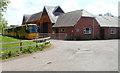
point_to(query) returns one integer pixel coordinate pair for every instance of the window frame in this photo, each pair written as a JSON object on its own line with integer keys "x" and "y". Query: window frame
{"x": 62, "y": 30}
{"x": 89, "y": 31}
{"x": 112, "y": 30}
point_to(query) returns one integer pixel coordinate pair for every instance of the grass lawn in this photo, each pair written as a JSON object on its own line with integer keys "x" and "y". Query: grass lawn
{"x": 11, "y": 39}
{"x": 25, "y": 50}
{"x": 8, "y": 39}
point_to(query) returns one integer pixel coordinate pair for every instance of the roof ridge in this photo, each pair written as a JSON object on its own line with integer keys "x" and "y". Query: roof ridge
{"x": 49, "y": 6}
{"x": 87, "y": 12}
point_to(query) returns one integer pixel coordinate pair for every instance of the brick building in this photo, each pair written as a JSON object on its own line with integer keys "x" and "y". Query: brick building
{"x": 108, "y": 27}
{"x": 78, "y": 24}
{"x": 81, "y": 24}
{"x": 44, "y": 19}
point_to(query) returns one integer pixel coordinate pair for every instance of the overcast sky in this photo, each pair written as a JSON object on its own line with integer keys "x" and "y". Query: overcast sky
{"x": 17, "y": 8}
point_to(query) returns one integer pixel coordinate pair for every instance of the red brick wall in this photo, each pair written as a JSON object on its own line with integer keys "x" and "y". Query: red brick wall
{"x": 87, "y": 22}
{"x": 107, "y": 32}
{"x": 66, "y": 29}
{"x": 67, "y": 33}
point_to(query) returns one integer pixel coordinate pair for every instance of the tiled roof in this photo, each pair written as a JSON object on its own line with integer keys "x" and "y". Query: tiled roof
{"x": 71, "y": 18}
{"x": 35, "y": 17}
{"x": 26, "y": 17}
{"x": 107, "y": 21}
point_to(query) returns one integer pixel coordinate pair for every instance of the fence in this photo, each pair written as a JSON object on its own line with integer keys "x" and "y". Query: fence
{"x": 38, "y": 41}
{"x": 72, "y": 36}
{"x": 62, "y": 36}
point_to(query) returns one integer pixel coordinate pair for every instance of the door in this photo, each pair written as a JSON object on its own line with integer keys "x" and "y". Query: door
{"x": 102, "y": 33}
{"x": 56, "y": 33}
{"x": 45, "y": 27}
{"x": 45, "y": 30}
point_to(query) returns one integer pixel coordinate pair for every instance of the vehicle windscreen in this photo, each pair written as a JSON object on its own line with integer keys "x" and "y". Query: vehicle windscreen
{"x": 32, "y": 29}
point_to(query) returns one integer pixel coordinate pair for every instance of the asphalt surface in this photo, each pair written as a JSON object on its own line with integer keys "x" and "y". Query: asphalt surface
{"x": 95, "y": 55}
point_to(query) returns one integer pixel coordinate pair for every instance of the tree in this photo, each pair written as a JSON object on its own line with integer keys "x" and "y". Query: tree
{"x": 3, "y": 24}
{"x": 108, "y": 14}
{"x": 3, "y": 7}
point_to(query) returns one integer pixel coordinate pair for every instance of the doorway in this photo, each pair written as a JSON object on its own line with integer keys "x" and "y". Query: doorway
{"x": 102, "y": 33}
{"x": 45, "y": 27}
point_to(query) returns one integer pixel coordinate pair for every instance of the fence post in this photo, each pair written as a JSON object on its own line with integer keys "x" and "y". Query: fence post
{"x": 20, "y": 45}
{"x": 36, "y": 43}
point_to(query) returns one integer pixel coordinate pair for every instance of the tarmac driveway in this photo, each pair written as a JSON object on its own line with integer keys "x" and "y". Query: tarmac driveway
{"x": 95, "y": 55}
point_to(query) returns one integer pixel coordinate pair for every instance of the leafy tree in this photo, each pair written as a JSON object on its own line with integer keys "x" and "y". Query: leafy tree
{"x": 3, "y": 7}
{"x": 108, "y": 14}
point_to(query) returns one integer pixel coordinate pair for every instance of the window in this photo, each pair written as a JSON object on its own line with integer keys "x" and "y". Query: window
{"x": 77, "y": 30}
{"x": 62, "y": 30}
{"x": 87, "y": 30}
{"x": 112, "y": 31}
{"x": 32, "y": 29}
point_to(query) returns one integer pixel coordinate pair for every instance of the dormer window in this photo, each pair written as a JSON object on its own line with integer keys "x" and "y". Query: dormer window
{"x": 58, "y": 11}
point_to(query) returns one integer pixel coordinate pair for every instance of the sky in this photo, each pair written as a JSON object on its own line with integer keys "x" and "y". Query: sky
{"x": 119, "y": 8}
{"x": 17, "y": 8}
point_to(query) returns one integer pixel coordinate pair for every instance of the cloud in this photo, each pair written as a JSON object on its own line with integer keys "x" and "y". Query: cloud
{"x": 39, "y": 1}
{"x": 119, "y": 8}
{"x": 70, "y": 5}
{"x": 13, "y": 13}
{"x": 102, "y": 7}
{"x": 17, "y": 8}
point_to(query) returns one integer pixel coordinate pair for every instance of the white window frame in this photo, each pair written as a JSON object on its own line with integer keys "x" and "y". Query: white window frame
{"x": 112, "y": 30}
{"x": 62, "y": 30}
{"x": 87, "y": 31}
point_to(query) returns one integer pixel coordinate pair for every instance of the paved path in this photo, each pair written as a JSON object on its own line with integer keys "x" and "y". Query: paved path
{"x": 100, "y": 55}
